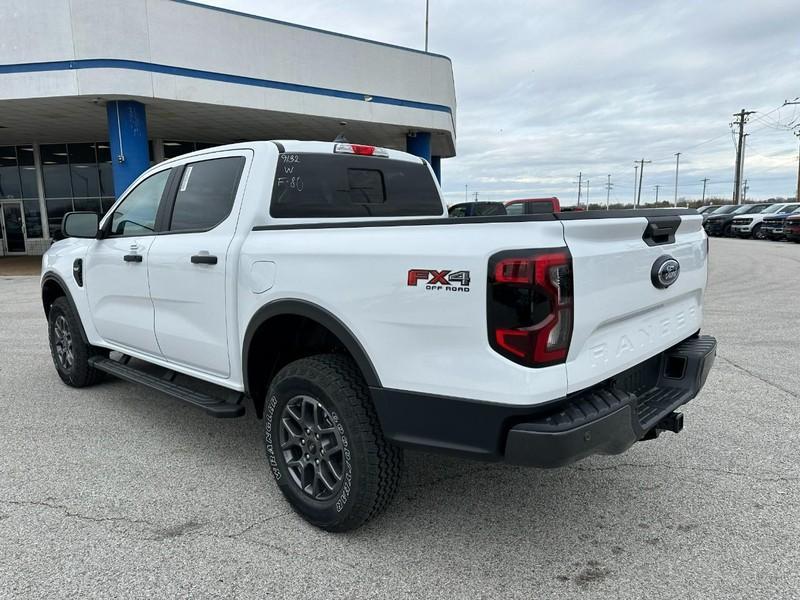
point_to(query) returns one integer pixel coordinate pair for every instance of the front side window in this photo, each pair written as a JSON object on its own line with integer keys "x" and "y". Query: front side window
{"x": 206, "y": 193}
{"x": 136, "y": 215}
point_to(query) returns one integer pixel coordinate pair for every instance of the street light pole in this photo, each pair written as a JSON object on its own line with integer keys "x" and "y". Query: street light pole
{"x": 677, "y": 164}
{"x": 427, "y": 8}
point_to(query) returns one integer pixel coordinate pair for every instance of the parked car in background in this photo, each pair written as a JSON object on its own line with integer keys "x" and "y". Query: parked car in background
{"x": 715, "y": 208}
{"x": 719, "y": 223}
{"x": 708, "y": 208}
{"x": 751, "y": 225}
{"x": 533, "y": 206}
{"x": 477, "y": 209}
{"x": 791, "y": 228}
{"x": 772, "y": 226}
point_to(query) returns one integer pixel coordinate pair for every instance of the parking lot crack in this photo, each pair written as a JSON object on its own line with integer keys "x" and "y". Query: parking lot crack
{"x": 75, "y": 515}
{"x": 761, "y": 379}
{"x": 256, "y": 524}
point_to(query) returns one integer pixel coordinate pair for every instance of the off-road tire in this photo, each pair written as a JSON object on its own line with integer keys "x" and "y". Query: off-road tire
{"x": 76, "y": 372}
{"x": 370, "y": 465}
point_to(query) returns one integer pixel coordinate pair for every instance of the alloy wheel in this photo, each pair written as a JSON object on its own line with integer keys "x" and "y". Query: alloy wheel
{"x": 311, "y": 444}
{"x": 63, "y": 343}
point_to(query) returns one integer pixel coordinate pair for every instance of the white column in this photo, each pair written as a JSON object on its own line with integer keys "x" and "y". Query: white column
{"x": 37, "y": 162}
{"x": 158, "y": 151}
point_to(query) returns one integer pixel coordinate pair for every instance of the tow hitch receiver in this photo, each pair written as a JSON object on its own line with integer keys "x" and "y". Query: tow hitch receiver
{"x": 672, "y": 422}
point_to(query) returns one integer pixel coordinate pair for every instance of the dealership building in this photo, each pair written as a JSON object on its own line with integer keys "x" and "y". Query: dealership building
{"x": 93, "y": 92}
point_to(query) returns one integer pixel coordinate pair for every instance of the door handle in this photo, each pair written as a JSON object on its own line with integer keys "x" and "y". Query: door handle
{"x": 132, "y": 258}
{"x": 204, "y": 259}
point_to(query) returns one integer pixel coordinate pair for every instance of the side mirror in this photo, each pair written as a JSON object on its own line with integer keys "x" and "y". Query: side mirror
{"x": 80, "y": 225}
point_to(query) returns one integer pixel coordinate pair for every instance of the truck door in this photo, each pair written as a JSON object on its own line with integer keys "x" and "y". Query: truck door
{"x": 116, "y": 269}
{"x": 191, "y": 270}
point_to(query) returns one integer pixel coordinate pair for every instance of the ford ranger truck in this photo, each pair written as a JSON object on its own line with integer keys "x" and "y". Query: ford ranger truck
{"x": 325, "y": 286}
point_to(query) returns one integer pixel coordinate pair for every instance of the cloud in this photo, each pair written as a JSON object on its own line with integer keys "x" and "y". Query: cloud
{"x": 547, "y": 89}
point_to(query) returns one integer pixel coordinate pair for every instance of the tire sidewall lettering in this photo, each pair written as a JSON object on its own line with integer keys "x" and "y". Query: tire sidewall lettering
{"x": 347, "y": 484}
{"x": 271, "y": 456}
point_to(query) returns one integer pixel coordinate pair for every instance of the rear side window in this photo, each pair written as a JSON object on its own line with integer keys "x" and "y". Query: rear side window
{"x": 538, "y": 208}
{"x": 515, "y": 209}
{"x": 206, "y": 193}
{"x": 331, "y": 185}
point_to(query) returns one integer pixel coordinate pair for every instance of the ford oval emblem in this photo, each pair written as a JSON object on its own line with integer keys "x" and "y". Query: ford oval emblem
{"x": 665, "y": 272}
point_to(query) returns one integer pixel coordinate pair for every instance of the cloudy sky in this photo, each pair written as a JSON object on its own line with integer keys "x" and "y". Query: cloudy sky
{"x": 550, "y": 88}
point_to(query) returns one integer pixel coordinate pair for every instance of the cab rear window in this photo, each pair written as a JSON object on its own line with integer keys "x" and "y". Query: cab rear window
{"x": 311, "y": 185}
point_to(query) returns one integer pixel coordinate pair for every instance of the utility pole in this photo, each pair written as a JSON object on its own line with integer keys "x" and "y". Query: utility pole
{"x": 635, "y": 180}
{"x": 608, "y": 190}
{"x": 466, "y": 192}
{"x": 587, "y": 193}
{"x": 797, "y": 193}
{"x": 580, "y": 186}
{"x": 657, "y": 186}
{"x": 740, "y": 120}
{"x": 642, "y": 163}
{"x": 744, "y": 191}
{"x": 677, "y": 164}
{"x": 741, "y": 167}
{"x": 705, "y": 181}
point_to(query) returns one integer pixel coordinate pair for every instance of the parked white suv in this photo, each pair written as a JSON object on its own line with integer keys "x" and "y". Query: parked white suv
{"x": 750, "y": 225}
{"x": 326, "y": 284}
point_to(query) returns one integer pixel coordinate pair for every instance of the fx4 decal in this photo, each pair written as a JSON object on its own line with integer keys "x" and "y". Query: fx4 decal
{"x": 451, "y": 281}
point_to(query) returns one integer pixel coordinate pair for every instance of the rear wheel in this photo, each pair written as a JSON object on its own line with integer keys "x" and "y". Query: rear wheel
{"x": 70, "y": 353}
{"x": 325, "y": 446}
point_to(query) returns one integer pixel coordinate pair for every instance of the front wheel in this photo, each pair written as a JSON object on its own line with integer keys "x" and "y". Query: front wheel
{"x": 325, "y": 446}
{"x": 70, "y": 352}
{"x": 757, "y": 234}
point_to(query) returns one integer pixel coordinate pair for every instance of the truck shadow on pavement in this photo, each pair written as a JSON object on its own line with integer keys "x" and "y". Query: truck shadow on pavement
{"x": 581, "y": 520}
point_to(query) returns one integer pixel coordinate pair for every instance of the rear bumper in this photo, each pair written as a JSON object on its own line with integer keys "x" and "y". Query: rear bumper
{"x": 605, "y": 419}
{"x": 611, "y": 419}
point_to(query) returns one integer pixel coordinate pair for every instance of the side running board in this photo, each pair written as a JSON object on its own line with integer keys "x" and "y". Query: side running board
{"x": 216, "y": 407}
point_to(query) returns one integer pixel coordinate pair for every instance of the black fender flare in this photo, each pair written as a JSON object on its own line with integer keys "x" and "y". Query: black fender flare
{"x": 50, "y": 276}
{"x": 316, "y": 313}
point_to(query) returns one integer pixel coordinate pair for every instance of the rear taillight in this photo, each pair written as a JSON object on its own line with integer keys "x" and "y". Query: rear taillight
{"x": 530, "y": 310}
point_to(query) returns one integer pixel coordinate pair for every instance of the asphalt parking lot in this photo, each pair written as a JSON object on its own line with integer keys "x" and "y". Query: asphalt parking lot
{"x": 115, "y": 491}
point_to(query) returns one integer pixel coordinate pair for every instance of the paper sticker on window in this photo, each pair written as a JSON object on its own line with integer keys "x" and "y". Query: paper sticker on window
{"x": 186, "y": 175}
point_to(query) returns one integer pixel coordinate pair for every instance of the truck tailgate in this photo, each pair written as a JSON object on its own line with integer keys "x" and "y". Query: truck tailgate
{"x": 621, "y": 316}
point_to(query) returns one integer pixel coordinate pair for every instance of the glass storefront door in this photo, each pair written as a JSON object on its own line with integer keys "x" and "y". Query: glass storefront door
{"x": 13, "y": 227}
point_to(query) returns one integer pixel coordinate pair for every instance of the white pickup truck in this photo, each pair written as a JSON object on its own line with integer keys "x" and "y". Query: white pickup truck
{"x": 325, "y": 284}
